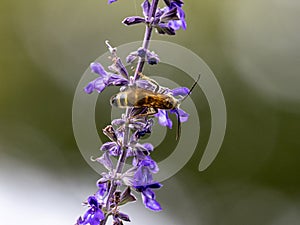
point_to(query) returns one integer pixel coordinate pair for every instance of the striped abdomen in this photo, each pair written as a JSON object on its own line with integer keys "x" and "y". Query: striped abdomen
{"x": 137, "y": 98}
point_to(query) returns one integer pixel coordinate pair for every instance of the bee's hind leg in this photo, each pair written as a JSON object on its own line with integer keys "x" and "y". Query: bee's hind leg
{"x": 145, "y": 112}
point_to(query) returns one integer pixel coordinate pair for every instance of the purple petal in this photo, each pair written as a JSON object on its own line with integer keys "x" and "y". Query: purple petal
{"x": 115, "y": 151}
{"x": 146, "y": 6}
{"x": 143, "y": 176}
{"x": 131, "y": 57}
{"x": 151, "y": 204}
{"x": 180, "y": 91}
{"x": 181, "y": 13}
{"x": 99, "y": 215}
{"x": 105, "y": 161}
{"x": 175, "y": 24}
{"x": 117, "y": 80}
{"x": 98, "y": 68}
{"x": 145, "y": 84}
{"x": 176, "y": 3}
{"x": 148, "y": 193}
{"x": 155, "y": 185}
{"x": 121, "y": 68}
{"x": 99, "y": 84}
{"x": 118, "y": 122}
{"x": 163, "y": 118}
{"x": 93, "y": 201}
{"x": 148, "y": 146}
{"x": 89, "y": 88}
{"x": 150, "y": 163}
{"x": 108, "y": 146}
{"x": 183, "y": 115}
{"x": 140, "y": 147}
{"x": 182, "y": 17}
{"x": 133, "y": 20}
{"x": 102, "y": 189}
{"x": 111, "y": 1}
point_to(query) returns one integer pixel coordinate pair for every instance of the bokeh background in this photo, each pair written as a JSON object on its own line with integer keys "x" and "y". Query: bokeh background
{"x": 252, "y": 48}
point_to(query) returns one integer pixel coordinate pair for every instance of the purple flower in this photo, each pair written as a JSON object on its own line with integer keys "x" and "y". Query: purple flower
{"x": 144, "y": 182}
{"x": 93, "y": 215}
{"x": 148, "y": 195}
{"x": 105, "y": 79}
{"x": 166, "y": 21}
{"x": 176, "y": 24}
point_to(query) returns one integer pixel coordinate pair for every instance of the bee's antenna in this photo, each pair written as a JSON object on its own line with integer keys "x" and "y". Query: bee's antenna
{"x": 191, "y": 88}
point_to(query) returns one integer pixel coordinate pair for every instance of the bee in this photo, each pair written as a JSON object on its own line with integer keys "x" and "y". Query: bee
{"x": 139, "y": 98}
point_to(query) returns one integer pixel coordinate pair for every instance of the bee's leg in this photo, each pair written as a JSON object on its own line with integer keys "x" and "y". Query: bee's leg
{"x": 152, "y": 111}
{"x": 149, "y": 112}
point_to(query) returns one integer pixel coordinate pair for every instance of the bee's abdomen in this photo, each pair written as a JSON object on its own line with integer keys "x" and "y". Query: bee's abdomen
{"x": 153, "y": 101}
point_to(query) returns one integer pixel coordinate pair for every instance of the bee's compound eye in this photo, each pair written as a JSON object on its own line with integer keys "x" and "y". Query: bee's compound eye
{"x": 113, "y": 101}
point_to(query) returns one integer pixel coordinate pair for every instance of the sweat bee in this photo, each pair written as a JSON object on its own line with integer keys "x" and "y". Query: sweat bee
{"x": 139, "y": 98}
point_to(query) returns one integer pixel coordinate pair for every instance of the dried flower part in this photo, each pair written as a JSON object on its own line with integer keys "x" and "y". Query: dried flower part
{"x": 123, "y": 216}
{"x": 127, "y": 196}
{"x": 117, "y": 197}
{"x": 110, "y": 133}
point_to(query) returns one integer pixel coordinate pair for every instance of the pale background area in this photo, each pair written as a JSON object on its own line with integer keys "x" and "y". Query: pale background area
{"x": 252, "y": 48}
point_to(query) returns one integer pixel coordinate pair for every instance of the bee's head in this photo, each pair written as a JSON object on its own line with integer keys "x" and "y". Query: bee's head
{"x": 114, "y": 101}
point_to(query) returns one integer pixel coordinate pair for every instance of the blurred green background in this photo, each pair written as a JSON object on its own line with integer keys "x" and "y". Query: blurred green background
{"x": 252, "y": 48}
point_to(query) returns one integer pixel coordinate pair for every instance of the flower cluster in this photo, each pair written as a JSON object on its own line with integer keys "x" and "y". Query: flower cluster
{"x": 166, "y": 20}
{"x": 126, "y": 132}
